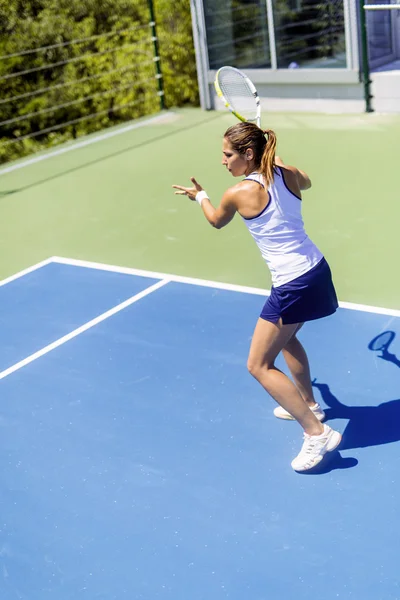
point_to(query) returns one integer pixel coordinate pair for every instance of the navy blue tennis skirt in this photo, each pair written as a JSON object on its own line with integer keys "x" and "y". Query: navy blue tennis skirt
{"x": 308, "y": 297}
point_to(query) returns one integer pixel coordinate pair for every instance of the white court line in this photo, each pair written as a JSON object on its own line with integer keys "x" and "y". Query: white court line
{"x": 392, "y": 312}
{"x": 206, "y": 283}
{"x": 83, "y": 328}
{"x": 38, "y": 265}
{"x": 155, "y": 275}
{"x": 82, "y": 144}
{"x": 164, "y": 279}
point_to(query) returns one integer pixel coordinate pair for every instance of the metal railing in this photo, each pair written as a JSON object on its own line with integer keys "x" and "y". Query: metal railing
{"x": 366, "y": 75}
{"x": 115, "y": 74}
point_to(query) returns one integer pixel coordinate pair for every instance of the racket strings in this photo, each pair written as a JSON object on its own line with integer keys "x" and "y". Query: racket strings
{"x": 238, "y": 94}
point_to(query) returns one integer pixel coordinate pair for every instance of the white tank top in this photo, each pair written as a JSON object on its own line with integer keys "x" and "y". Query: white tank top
{"x": 279, "y": 232}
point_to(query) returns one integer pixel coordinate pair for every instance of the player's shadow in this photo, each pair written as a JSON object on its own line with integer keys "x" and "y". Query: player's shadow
{"x": 367, "y": 425}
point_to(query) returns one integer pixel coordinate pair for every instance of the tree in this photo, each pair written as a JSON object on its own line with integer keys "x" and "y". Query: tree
{"x": 95, "y": 67}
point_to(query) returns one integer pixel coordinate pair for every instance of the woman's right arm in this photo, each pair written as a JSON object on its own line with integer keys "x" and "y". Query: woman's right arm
{"x": 303, "y": 180}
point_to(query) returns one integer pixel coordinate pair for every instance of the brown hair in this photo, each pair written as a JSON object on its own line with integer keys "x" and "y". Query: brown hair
{"x": 263, "y": 143}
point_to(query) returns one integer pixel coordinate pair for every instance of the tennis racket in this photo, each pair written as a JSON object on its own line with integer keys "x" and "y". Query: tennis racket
{"x": 239, "y": 94}
{"x": 382, "y": 341}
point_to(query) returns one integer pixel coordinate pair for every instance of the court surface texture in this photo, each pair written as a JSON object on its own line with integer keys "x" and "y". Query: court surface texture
{"x": 139, "y": 458}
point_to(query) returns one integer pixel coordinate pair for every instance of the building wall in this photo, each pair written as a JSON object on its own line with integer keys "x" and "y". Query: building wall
{"x": 301, "y": 54}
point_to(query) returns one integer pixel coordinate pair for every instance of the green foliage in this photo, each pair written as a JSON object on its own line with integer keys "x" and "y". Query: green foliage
{"x": 97, "y": 82}
{"x": 177, "y": 53}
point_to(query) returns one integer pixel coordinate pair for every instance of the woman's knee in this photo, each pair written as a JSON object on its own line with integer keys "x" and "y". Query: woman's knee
{"x": 252, "y": 367}
{"x": 255, "y": 366}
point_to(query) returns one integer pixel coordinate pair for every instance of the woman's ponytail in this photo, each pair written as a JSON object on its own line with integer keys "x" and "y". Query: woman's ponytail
{"x": 268, "y": 157}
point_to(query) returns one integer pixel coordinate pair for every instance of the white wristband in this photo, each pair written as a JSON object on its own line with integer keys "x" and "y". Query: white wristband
{"x": 200, "y": 196}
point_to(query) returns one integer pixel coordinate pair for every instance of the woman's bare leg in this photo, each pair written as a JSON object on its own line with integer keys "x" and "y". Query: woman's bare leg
{"x": 298, "y": 365}
{"x": 268, "y": 340}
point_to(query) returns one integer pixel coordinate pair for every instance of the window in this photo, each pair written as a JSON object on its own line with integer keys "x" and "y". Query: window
{"x": 237, "y": 33}
{"x": 309, "y": 33}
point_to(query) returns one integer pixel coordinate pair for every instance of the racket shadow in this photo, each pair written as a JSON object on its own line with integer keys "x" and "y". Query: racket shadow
{"x": 381, "y": 344}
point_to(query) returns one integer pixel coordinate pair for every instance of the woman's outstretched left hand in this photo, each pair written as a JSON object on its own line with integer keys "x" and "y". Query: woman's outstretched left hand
{"x": 190, "y": 192}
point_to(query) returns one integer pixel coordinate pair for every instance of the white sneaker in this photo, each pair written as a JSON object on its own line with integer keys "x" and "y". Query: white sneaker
{"x": 315, "y": 447}
{"x": 281, "y": 413}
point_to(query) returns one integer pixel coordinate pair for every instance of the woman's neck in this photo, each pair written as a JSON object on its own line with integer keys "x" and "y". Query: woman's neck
{"x": 251, "y": 169}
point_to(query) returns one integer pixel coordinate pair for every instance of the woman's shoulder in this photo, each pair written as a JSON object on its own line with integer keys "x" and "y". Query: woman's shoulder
{"x": 243, "y": 187}
{"x": 242, "y": 194}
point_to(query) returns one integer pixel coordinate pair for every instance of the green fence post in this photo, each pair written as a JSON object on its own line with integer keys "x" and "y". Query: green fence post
{"x": 157, "y": 55}
{"x": 365, "y": 59}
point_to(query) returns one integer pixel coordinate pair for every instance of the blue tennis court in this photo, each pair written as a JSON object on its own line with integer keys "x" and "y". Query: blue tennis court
{"x": 140, "y": 460}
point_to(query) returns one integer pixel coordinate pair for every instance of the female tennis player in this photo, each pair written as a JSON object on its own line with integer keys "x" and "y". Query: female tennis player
{"x": 269, "y": 201}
